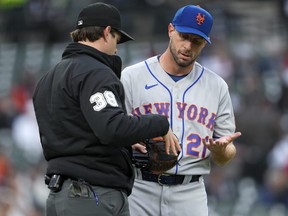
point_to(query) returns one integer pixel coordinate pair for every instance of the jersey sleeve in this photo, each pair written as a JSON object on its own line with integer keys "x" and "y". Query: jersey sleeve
{"x": 102, "y": 104}
{"x": 225, "y": 121}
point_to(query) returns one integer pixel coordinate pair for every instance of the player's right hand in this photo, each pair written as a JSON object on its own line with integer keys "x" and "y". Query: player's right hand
{"x": 171, "y": 143}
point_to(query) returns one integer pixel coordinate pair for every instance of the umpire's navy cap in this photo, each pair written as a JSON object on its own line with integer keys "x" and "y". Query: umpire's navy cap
{"x": 101, "y": 14}
{"x": 193, "y": 19}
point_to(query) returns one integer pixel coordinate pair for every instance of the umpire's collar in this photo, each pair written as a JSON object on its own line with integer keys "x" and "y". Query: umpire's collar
{"x": 112, "y": 61}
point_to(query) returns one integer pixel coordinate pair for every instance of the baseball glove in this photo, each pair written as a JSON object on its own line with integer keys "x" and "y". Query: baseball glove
{"x": 155, "y": 160}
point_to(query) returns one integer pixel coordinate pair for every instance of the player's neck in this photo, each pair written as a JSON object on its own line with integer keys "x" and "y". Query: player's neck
{"x": 171, "y": 67}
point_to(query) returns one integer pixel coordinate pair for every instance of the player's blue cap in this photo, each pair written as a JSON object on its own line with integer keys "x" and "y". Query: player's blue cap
{"x": 193, "y": 19}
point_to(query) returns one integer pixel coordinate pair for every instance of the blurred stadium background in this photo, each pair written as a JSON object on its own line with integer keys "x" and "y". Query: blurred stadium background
{"x": 249, "y": 50}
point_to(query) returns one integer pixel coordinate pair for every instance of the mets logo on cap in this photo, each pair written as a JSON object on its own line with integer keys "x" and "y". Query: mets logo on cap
{"x": 192, "y": 19}
{"x": 200, "y": 19}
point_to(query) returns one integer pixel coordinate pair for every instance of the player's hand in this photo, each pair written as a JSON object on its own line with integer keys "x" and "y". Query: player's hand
{"x": 171, "y": 143}
{"x": 219, "y": 145}
{"x": 140, "y": 147}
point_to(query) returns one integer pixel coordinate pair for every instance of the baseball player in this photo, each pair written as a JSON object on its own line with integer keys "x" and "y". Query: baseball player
{"x": 197, "y": 103}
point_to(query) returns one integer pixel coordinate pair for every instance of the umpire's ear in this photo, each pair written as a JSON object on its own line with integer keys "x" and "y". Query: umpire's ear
{"x": 106, "y": 33}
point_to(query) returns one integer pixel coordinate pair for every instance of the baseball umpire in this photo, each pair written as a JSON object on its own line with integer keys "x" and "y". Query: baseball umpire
{"x": 197, "y": 103}
{"x": 85, "y": 132}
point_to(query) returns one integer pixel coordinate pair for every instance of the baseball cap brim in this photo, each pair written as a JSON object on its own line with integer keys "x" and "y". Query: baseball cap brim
{"x": 187, "y": 30}
{"x": 103, "y": 15}
{"x": 124, "y": 37}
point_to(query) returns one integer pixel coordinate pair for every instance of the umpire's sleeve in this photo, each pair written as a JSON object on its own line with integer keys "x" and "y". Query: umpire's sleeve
{"x": 102, "y": 104}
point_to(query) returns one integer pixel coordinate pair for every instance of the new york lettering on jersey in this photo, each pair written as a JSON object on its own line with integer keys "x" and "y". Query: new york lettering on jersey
{"x": 186, "y": 111}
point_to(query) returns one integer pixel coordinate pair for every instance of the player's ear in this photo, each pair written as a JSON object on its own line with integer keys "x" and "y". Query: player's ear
{"x": 171, "y": 29}
{"x": 205, "y": 43}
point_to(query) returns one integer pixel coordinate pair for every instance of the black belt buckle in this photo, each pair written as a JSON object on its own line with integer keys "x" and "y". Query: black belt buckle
{"x": 161, "y": 180}
{"x": 195, "y": 178}
{"x": 55, "y": 183}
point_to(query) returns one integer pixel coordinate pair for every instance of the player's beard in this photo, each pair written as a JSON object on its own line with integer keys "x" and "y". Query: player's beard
{"x": 180, "y": 62}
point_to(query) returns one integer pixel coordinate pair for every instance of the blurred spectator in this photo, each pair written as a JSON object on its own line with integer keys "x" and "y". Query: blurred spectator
{"x": 220, "y": 61}
{"x": 23, "y": 91}
{"x": 22, "y": 170}
{"x": 5, "y": 168}
{"x": 283, "y": 102}
{"x": 275, "y": 189}
{"x": 26, "y": 136}
{"x": 19, "y": 197}
{"x": 284, "y": 9}
{"x": 6, "y": 113}
{"x": 6, "y": 182}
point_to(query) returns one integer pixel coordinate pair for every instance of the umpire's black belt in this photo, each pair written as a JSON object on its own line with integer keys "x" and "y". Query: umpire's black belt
{"x": 167, "y": 179}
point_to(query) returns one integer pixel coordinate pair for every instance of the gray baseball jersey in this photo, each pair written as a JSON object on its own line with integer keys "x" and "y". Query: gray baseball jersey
{"x": 197, "y": 106}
